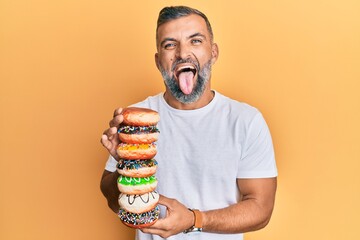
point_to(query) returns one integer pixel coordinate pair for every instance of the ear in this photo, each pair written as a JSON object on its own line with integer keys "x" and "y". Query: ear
{"x": 214, "y": 53}
{"x": 157, "y": 60}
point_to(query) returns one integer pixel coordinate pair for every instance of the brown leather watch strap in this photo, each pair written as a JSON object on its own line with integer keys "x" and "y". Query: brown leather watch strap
{"x": 198, "y": 218}
{"x": 197, "y": 227}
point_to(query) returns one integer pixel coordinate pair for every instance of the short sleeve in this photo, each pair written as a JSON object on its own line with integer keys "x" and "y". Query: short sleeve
{"x": 257, "y": 157}
{"x": 111, "y": 164}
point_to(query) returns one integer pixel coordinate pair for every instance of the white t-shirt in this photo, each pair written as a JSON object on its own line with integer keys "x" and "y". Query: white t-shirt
{"x": 202, "y": 152}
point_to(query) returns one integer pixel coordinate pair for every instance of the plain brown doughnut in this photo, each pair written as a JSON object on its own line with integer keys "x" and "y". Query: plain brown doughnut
{"x": 135, "y": 116}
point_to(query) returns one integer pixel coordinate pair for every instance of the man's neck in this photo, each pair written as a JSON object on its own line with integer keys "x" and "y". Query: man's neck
{"x": 204, "y": 100}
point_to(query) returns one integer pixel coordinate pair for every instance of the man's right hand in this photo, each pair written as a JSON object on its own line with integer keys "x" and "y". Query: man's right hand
{"x": 110, "y": 139}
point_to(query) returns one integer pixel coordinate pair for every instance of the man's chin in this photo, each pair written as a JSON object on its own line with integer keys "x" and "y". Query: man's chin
{"x": 185, "y": 97}
{"x": 188, "y": 98}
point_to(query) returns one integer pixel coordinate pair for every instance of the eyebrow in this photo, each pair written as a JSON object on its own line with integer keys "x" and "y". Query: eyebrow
{"x": 174, "y": 40}
{"x": 197, "y": 35}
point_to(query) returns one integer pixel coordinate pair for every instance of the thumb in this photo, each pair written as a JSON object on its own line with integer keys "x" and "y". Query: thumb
{"x": 167, "y": 202}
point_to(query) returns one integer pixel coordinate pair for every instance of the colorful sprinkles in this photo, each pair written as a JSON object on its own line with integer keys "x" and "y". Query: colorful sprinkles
{"x": 135, "y": 164}
{"x": 138, "y": 130}
{"x": 139, "y": 218}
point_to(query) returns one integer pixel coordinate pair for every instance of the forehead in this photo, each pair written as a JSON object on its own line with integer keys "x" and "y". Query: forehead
{"x": 183, "y": 26}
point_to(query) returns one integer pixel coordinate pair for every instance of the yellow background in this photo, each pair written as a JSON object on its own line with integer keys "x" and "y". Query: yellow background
{"x": 65, "y": 65}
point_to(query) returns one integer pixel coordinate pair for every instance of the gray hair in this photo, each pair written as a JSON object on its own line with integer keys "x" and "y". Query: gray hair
{"x": 174, "y": 12}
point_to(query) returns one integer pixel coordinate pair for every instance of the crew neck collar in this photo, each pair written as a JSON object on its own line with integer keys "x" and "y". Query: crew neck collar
{"x": 205, "y": 108}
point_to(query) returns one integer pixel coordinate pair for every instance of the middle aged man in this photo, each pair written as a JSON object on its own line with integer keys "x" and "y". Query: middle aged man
{"x": 215, "y": 154}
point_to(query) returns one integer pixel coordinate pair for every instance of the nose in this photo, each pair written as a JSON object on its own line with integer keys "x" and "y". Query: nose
{"x": 183, "y": 51}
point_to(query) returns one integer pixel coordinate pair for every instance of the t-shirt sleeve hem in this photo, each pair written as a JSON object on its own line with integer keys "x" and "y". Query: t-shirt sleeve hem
{"x": 257, "y": 174}
{"x": 111, "y": 164}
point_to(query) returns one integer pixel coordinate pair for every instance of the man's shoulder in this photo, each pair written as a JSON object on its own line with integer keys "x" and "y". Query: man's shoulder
{"x": 236, "y": 107}
{"x": 149, "y": 102}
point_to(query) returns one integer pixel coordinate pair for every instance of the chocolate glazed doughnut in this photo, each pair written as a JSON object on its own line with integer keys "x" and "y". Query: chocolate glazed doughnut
{"x": 132, "y": 134}
{"x": 139, "y": 220}
{"x": 137, "y": 168}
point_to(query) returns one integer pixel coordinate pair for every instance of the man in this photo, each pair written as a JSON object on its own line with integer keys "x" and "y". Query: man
{"x": 215, "y": 154}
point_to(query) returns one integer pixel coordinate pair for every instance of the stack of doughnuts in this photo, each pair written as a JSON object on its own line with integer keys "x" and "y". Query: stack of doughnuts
{"x": 137, "y": 166}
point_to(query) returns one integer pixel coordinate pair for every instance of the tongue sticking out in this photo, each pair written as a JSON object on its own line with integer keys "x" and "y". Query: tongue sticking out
{"x": 186, "y": 82}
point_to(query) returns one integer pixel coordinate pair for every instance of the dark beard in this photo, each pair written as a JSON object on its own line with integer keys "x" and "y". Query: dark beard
{"x": 202, "y": 79}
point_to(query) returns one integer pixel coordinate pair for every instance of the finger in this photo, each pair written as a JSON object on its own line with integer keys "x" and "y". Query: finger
{"x": 117, "y": 112}
{"x": 115, "y": 122}
{"x": 109, "y": 146}
{"x": 167, "y": 202}
{"x": 105, "y": 142}
{"x": 153, "y": 230}
{"x": 111, "y": 133}
{"x": 160, "y": 224}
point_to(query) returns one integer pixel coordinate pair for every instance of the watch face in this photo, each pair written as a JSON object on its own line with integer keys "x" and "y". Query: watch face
{"x": 193, "y": 229}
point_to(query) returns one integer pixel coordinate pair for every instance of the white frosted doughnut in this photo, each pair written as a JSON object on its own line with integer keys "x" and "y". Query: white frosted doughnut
{"x": 138, "y": 203}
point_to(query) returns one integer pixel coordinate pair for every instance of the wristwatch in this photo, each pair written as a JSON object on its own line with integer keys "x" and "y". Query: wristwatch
{"x": 197, "y": 227}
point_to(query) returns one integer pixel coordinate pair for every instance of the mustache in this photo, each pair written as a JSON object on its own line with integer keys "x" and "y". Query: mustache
{"x": 188, "y": 60}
